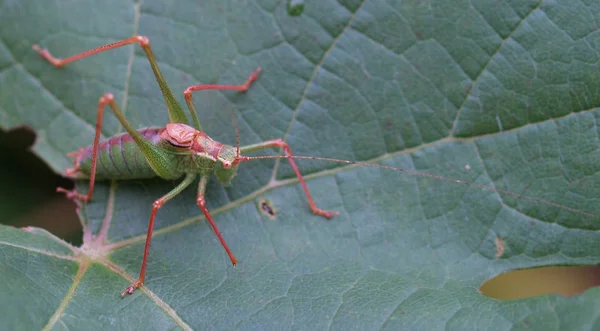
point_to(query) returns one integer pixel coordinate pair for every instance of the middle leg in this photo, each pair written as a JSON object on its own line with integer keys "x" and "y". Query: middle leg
{"x": 189, "y": 178}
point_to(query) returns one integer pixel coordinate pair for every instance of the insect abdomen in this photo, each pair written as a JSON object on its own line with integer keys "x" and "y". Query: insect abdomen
{"x": 119, "y": 157}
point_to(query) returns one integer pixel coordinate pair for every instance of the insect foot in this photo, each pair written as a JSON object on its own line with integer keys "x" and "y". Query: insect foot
{"x": 131, "y": 288}
{"x": 77, "y": 157}
{"x": 73, "y": 194}
{"x": 327, "y": 214}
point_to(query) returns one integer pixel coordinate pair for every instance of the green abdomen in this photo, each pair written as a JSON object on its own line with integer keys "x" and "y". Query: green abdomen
{"x": 119, "y": 157}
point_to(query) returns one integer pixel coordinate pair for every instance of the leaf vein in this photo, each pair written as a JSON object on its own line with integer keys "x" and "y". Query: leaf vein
{"x": 484, "y": 68}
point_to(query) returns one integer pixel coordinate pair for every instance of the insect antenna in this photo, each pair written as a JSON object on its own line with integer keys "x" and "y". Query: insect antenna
{"x": 237, "y": 138}
{"x": 422, "y": 174}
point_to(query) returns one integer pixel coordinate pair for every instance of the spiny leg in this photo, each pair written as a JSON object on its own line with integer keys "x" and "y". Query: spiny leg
{"x": 201, "y": 87}
{"x": 107, "y": 98}
{"x": 286, "y": 149}
{"x": 189, "y": 178}
{"x": 176, "y": 113}
{"x": 202, "y": 204}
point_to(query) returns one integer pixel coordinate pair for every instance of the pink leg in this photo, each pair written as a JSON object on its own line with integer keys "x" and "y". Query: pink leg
{"x": 107, "y": 98}
{"x": 286, "y": 149}
{"x": 202, "y": 204}
{"x": 201, "y": 87}
{"x": 61, "y": 62}
{"x": 155, "y": 207}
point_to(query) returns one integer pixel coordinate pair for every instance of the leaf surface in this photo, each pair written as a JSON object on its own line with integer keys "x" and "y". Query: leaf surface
{"x": 499, "y": 93}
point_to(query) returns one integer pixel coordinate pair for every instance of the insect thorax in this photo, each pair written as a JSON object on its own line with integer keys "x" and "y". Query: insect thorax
{"x": 199, "y": 153}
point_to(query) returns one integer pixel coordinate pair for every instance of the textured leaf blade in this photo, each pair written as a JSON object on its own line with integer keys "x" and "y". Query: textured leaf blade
{"x": 499, "y": 94}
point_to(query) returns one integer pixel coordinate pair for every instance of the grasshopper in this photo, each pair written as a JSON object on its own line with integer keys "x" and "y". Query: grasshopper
{"x": 170, "y": 152}
{"x": 180, "y": 150}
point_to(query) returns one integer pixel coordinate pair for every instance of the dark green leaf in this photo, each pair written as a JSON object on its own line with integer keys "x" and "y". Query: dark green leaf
{"x": 499, "y": 93}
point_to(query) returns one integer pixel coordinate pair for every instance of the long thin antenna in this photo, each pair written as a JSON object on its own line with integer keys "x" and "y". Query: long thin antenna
{"x": 237, "y": 138}
{"x": 423, "y": 174}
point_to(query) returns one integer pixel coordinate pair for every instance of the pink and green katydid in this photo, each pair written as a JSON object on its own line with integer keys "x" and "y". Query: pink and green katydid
{"x": 180, "y": 150}
{"x": 171, "y": 152}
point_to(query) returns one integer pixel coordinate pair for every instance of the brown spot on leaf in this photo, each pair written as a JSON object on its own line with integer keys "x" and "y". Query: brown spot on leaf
{"x": 267, "y": 209}
{"x": 499, "y": 247}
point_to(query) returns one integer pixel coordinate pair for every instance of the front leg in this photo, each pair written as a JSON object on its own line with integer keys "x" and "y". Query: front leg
{"x": 279, "y": 143}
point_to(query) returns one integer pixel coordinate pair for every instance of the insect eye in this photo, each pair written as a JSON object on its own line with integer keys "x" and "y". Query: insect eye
{"x": 226, "y": 164}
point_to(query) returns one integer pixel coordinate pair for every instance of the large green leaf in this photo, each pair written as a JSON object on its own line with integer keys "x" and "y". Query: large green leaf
{"x": 501, "y": 93}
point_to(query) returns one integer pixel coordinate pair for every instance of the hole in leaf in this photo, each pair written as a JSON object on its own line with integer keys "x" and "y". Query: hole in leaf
{"x": 267, "y": 208}
{"x": 525, "y": 283}
{"x": 28, "y": 190}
